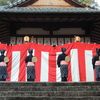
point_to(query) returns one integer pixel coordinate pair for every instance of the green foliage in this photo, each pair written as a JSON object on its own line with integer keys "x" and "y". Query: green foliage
{"x": 4, "y": 2}
{"x": 86, "y": 2}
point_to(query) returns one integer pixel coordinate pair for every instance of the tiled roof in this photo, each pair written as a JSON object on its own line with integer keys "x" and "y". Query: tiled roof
{"x": 10, "y": 8}
{"x": 48, "y": 10}
{"x": 3, "y": 7}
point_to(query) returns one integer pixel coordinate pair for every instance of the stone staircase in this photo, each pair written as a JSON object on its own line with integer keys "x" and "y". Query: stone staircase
{"x": 49, "y": 90}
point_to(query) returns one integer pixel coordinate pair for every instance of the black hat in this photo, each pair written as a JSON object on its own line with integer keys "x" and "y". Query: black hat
{"x": 2, "y": 51}
{"x": 63, "y": 49}
{"x": 30, "y": 50}
{"x": 97, "y": 50}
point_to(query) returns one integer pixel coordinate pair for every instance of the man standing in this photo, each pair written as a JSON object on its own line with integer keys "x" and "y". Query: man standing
{"x": 3, "y": 66}
{"x": 96, "y": 64}
{"x": 30, "y": 61}
{"x": 62, "y": 63}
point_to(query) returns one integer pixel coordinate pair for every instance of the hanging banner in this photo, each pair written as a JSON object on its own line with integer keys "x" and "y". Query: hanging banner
{"x": 79, "y": 67}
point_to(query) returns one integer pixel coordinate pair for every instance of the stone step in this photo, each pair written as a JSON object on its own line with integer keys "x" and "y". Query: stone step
{"x": 10, "y": 84}
{"x": 51, "y": 98}
{"x": 49, "y": 93}
{"x": 49, "y": 88}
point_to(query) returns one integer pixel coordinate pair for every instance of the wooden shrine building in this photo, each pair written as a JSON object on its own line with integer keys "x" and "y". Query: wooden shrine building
{"x": 51, "y": 22}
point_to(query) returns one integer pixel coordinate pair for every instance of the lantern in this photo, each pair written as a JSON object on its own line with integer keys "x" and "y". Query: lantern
{"x": 26, "y": 39}
{"x": 77, "y": 39}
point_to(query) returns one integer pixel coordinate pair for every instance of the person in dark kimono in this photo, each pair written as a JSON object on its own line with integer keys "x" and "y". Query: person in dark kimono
{"x": 30, "y": 66}
{"x": 3, "y": 66}
{"x": 96, "y": 64}
{"x": 63, "y": 65}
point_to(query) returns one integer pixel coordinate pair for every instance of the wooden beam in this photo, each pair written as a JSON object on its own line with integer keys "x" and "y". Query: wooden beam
{"x": 26, "y": 20}
{"x": 18, "y": 19}
{"x": 84, "y": 19}
{"x": 4, "y": 31}
{"x": 2, "y": 35}
{"x": 35, "y": 19}
{"x": 97, "y": 30}
{"x": 7, "y": 37}
{"x": 43, "y": 19}
{"x": 2, "y": 26}
{"x": 76, "y": 20}
{"x": 51, "y": 19}
{"x": 68, "y": 19}
{"x": 60, "y": 19}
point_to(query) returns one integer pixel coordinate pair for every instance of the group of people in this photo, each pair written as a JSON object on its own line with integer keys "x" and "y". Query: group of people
{"x": 96, "y": 64}
{"x": 30, "y": 65}
{"x": 62, "y": 62}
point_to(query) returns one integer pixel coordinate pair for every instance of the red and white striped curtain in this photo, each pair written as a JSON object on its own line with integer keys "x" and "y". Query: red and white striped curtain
{"x": 80, "y": 67}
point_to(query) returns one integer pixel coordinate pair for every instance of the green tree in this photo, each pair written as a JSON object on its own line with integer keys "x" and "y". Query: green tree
{"x": 4, "y": 2}
{"x": 86, "y": 2}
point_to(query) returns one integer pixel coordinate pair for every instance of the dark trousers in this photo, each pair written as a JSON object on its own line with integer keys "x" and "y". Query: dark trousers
{"x": 63, "y": 79}
{"x": 30, "y": 79}
{"x": 98, "y": 79}
{"x": 2, "y": 79}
